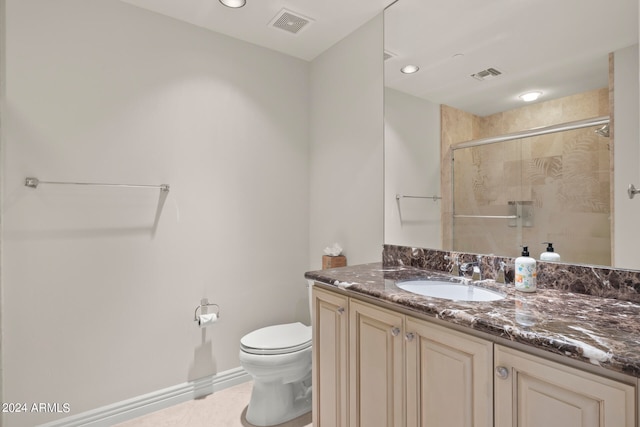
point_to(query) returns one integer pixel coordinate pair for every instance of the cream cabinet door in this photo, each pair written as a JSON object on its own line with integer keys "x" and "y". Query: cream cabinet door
{"x": 449, "y": 377}
{"x": 330, "y": 364}
{"x": 376, "y": 366}
{"x": 534, "y": 392}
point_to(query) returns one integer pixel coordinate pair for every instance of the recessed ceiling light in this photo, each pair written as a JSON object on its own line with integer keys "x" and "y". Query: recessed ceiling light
{"x": 233, "y": 3}
{"x": 409, "y": 69}
{"x": 530, "y": 96}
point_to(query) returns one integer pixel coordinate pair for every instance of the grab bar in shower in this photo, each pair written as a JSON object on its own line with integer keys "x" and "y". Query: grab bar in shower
{"x": 34, "y": 182}
{"x": 402, "y": 196}
{"x": 488, "y": 216}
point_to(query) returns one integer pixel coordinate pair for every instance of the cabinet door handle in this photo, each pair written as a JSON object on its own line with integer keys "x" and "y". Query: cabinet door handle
{"x": 340, "y": 310}
{"x": 395, "y": 331}
{"x": 502, "y": 372}
{"x": 410, "y": 336}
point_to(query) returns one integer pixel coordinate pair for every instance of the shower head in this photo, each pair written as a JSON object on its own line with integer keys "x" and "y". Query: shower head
{"x": 603, "y": 131}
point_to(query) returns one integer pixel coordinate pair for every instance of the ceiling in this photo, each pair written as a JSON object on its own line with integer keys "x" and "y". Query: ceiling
{"x": 557, "y": 47}
{"x": 331, "y": 20}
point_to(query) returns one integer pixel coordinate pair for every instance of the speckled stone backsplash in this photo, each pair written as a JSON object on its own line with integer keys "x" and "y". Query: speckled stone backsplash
{"x": 597, "y": 281}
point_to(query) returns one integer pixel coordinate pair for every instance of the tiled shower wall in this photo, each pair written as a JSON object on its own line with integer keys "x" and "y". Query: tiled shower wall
{"x": 564, "y": 178}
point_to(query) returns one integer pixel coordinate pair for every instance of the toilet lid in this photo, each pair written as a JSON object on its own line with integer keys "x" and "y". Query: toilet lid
{"x": 277, "y": 339}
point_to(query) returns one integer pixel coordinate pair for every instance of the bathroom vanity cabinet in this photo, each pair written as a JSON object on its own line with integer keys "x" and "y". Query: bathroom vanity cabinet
{"x": 532, "y": 391}
{"x": 375, "y": 366}
{"x": 448, "y": 377}
{"x": 330, "y": 312}
{"x": 401, "y": 370}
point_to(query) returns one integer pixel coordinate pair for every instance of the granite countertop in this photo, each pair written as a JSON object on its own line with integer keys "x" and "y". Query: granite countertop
{"x": 596, "y": 330}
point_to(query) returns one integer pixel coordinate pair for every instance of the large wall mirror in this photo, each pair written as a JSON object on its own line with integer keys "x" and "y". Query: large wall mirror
{"x": 455, "y": 72}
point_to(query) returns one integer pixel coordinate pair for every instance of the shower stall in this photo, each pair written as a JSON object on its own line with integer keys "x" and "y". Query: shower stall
{"x": 548, "y": 184}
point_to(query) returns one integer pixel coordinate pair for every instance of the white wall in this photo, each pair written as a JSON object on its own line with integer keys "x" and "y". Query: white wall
{"x": 346, "y": 172}
{"x": 626, "y": 158}
{"x": 2, "y": 107}
{"x": 411, "y": 167}
{"x": 98, "y": 302}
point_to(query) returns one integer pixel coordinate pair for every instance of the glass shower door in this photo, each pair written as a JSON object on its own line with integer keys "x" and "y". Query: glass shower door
{"x": 552, "y": 187}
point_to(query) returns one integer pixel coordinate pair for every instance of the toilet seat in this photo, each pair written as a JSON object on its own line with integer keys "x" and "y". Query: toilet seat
{"x": 277, "y": 339}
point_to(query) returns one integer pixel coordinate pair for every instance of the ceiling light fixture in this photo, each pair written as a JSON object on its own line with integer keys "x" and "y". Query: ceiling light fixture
{"x": 530, "y": 96}
{"x": 409, "y": 69}
{"x": 233, "y": 3}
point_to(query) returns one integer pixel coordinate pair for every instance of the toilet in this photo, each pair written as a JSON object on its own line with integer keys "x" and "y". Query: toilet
{"x": 278, "y": 358}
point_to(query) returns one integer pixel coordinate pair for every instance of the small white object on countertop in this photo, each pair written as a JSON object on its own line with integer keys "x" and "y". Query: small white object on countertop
{"x": 334, "y": 250}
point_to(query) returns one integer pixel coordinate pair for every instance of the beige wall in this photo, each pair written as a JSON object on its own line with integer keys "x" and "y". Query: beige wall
{"x": 456, "y": 126}
{"x": 568, "y": 109}
{"x": 564, "y": 176}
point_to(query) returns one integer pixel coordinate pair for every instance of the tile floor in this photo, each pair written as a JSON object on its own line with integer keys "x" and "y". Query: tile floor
{"x": 224, "y": 408}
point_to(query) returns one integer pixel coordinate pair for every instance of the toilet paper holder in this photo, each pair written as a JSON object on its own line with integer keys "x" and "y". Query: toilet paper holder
{"x": 205, "y": 303}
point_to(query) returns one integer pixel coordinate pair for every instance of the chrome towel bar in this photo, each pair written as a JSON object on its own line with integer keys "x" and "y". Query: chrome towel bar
{"x": 487, "y": 216}
{"x": 434, "y": 197}
{"x": 34, "y": 182}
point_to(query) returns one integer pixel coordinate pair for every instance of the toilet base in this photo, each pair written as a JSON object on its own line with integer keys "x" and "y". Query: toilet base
{"x": 275, "y": 403}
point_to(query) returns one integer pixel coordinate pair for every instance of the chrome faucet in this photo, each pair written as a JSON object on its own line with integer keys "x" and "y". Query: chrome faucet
{"x": 455, "y": 268}
{"x": 502, "y": 272}
{"x": 474, "y": 267}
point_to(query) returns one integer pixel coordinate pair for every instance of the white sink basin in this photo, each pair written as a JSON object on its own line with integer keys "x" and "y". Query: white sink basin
{"x": 449, "y": 290}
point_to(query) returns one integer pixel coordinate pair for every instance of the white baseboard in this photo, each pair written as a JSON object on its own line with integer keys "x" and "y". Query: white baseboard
{"x": 151, "y": 402}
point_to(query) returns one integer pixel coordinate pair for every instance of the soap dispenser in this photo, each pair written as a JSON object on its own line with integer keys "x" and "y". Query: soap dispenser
{"x": 525, "y": 275}
{"x": 549, "y": 254}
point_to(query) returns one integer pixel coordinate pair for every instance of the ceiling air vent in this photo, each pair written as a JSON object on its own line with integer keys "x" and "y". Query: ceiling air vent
{"x": 487, "y": 74}
{"x": 290, "y": 22}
